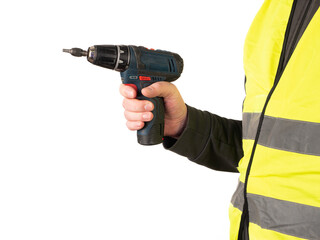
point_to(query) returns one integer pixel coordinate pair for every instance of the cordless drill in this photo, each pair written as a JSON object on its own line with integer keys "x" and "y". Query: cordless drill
{"x": 139, "y": 67}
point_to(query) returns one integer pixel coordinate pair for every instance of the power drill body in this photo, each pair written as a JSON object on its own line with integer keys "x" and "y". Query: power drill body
{"x": 139, "y": 67}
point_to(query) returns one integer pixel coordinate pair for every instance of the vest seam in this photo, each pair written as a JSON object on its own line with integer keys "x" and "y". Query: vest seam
{"x": 245, "y": 212}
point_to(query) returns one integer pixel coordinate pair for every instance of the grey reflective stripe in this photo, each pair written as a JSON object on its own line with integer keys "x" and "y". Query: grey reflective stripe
{"x": 284, "y": 134}
{"x": 290, "y": 218}
{"x": 250, "y": 122}
{"x": 237, "y": 198}
{"x": 285, "y": 217}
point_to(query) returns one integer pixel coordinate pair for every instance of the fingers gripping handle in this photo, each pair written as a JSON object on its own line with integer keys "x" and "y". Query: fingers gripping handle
{"x": 152, "y": 132}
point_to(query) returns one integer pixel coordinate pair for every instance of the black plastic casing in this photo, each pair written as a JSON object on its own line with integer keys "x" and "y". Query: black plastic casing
{"x": 115, "y": 57}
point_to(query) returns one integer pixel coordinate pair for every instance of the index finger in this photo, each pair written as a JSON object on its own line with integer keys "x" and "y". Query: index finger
{"x": 128, "y": 91}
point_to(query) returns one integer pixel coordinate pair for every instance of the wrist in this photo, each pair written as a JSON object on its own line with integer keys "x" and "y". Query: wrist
{"x": 176, "y": 127}
{"x": 182, "y": 127}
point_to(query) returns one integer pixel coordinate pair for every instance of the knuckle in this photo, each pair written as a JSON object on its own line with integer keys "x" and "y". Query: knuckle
{"x": 129, "y": 125}
{"x": 126, "y": 115}
{"x": 174, "y": 87}
{"x": 138, "y": 106}
{"x": 121, "y": 89}
{"x": 134, "y": 125}
{"x": 124, "y": 103}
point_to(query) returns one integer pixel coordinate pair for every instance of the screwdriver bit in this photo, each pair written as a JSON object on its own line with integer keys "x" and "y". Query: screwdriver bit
{"x": 77, "y": 52}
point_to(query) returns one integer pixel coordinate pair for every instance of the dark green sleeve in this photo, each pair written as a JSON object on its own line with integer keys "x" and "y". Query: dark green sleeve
{"x": 209, "y": 140}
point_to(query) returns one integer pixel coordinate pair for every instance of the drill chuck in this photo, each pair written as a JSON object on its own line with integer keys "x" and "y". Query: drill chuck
{"x": 114, "y": 57}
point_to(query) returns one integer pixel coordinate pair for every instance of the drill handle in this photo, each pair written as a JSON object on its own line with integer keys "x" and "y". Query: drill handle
{"x": 152, "y": 132}
{"x": 144, "y": 68}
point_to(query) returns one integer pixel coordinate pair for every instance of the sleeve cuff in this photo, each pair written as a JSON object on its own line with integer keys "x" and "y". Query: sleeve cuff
{"x": 194, "y": 137}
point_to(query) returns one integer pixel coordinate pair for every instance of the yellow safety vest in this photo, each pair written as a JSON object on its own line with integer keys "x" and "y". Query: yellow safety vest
{"x": 279, "y": 185}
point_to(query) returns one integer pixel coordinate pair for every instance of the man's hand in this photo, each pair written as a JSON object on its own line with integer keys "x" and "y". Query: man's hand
{"x": 139, "y": 111}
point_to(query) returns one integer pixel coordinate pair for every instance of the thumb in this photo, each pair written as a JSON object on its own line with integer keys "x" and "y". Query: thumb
{"x": 159, "y": 89}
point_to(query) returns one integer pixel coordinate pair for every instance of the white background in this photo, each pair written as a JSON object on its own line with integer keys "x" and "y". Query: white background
{"x": 69, "y": 168}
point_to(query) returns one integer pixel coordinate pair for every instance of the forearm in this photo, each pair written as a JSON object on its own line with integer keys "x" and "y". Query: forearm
{"x": 209, "y": 140}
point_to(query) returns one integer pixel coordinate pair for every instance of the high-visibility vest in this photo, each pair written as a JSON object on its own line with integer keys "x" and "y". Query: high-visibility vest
{"x": 278, "y": 196}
